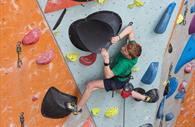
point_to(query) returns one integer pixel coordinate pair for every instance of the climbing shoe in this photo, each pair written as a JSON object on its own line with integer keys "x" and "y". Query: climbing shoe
{"x": 139, "y": 90}
{"x": 152, "y": 96}
{"x": 73, "y": 108}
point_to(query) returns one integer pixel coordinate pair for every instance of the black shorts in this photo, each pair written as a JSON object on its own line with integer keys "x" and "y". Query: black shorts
{"x": 113, "y": 84}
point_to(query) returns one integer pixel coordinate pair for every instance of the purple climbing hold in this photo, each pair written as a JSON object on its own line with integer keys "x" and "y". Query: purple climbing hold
{"x": 192, "y": 26}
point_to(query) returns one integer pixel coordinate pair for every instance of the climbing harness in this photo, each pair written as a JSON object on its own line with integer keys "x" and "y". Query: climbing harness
{"x": 22, "y": 119}
{"x": 19, "y": 52}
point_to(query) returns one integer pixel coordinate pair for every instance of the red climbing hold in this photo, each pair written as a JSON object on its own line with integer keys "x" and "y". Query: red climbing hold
{"x": 88, "y": 60}
{"x": 31, "y": 37}
{"x": 182, "y": 85}
{"x": 46, "y": 57}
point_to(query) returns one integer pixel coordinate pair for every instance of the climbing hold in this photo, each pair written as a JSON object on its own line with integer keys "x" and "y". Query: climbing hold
{"x": 147, "y": 125}
{"x": 170, "y": 49}
{"x": 153, "y": 94}
{"x": 169, "y": 116}
{"x": 163, "y": 23}
{"x": 72, "y": 56}
{"x": 135, "y": 69}
{"x": 95, "y": 111}
{"x": 180, "y": 95}
{"x": 54, "y": 103}
{"x": 188, "y": 53}
{"x": 136, "y": 3}
{"x": 88, "y": 122}
{"x": 150, "y": 74}
{"x": 180, "y": 19}
{"x": 101, "y": 1}
{"x": 88, "y": 60}
{"x": 46, "y": 57}
{"x": 188, "y": 68}
{"x": 173, "y": 83}
{"x": 182, "y": 85}
{"x": 160, "y": 111}
{"x": 31, "y": 37}
{"x": 192, "y": 26}
{"x": 165, "y": 83}
{"x": 111, "y": 112}
{"x": 35, "y": 96}
{"x": 192, "y": 10}
{"x": 185, "y": 2}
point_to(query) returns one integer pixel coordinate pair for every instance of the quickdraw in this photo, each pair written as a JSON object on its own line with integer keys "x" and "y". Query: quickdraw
{"x": 22, "y": 119}
{"x": 19, "y": 52}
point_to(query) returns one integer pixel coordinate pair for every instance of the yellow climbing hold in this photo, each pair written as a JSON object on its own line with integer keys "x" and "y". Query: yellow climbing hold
{"x": 72, "y": 56}
{"x": 113, "y": 111}
{"x": 165, "y": 83}
{"x": 180, "y": 19}
{"x": 56, "y": 33}
{"x": 101, "y": 1}
{"x": 95, "y": 111}
{"x": 137, "y": 3}
{"x": 135, "y": 69}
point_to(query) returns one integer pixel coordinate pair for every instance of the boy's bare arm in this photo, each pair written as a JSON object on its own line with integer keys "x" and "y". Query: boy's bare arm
{"x": 107, "y": 70}
{"x": 127, "y": 31}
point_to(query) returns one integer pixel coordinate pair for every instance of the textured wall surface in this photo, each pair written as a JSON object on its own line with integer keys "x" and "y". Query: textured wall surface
{"x": 145, "y": 19}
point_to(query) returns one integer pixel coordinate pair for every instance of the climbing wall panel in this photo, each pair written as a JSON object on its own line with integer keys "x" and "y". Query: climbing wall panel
{"x": 22, "y": 89}
{"x": 186, "y": 117}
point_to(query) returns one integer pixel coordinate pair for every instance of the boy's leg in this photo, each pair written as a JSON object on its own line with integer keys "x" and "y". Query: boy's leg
{"x": 137, "y": 95}
{"x": 91, "y": 86}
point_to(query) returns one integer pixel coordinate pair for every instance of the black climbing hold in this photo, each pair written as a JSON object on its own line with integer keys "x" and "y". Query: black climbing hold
{"x": 108, "y": 17}
{"x": 154, "y": 94}
{"x": 53, "y": 105}
{"x": 170, "y": 49}
{"x": 95, "y": 31}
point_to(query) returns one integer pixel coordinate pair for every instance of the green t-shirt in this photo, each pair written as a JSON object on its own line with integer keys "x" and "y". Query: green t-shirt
{"x": 122, "y": 66}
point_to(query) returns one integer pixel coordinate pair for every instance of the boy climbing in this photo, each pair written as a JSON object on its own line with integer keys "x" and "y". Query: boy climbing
{"x": 117, "y": 75}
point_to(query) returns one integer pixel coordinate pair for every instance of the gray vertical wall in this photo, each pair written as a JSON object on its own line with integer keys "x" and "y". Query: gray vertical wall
{"x": 145, "y": 19}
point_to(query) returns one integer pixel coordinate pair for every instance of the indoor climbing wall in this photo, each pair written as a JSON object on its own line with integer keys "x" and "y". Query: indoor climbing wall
{"x": 23, "y": 80}
{"x": 49, "y": 59}
{"x": 182, "y": 52}
{"x": 145, "y": 19}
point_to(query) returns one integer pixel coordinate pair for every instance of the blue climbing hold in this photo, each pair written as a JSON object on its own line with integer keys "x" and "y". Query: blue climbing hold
{"x": 160, "y": 111}
{"x": 180, "y": 95}
{"x": 192, "y": 10}
{"x": 150, "y": 74}
{"x": 169, "y": 116}
{"x": 185, "y": 2}
{"x": 173, "y": 83}
{"x": 163, "y": 23}
{"x": 188, "y": 53}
